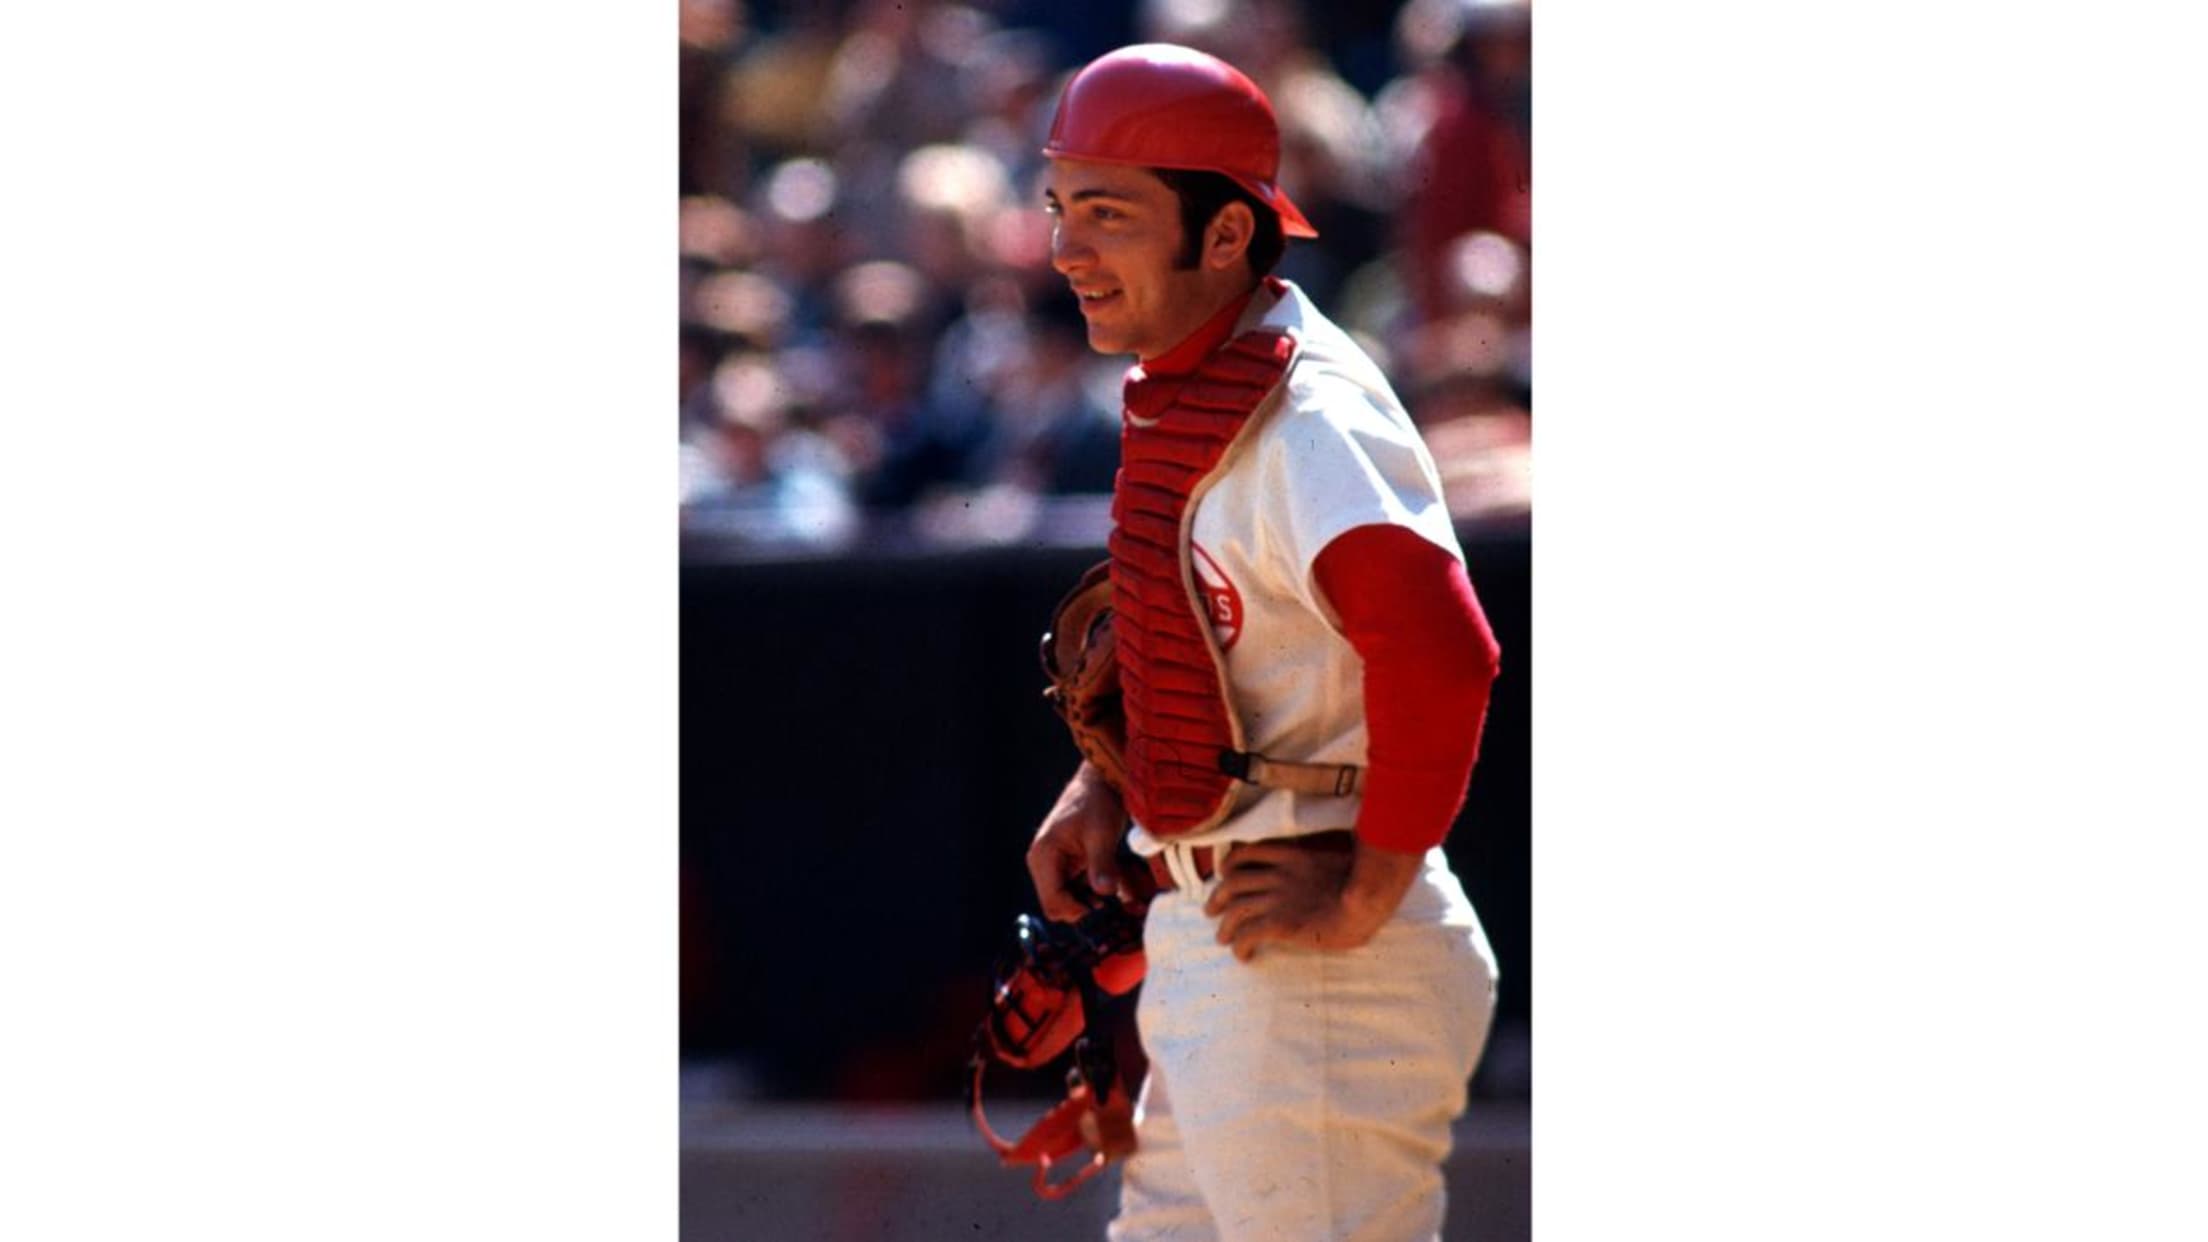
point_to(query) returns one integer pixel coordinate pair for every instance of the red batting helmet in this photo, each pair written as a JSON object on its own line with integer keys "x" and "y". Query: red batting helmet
{"x": 1159, "y": 105}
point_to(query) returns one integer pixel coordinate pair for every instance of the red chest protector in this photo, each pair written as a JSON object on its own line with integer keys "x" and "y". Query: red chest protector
{"x": 1174, "y": 442}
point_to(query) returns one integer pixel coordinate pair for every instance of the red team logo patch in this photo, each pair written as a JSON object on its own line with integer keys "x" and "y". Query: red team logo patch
{"x": 1222, "y": 603}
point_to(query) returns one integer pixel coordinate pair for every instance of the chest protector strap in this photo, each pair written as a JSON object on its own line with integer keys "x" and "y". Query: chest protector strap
{"x": 1176, "y": 439}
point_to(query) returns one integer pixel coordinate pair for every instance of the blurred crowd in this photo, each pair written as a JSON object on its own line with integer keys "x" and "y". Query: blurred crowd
{"x": 874, "y": 346}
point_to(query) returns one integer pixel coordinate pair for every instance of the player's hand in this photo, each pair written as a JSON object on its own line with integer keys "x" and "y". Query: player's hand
{"x": 1075, "y": 853}
{"x": 1320, "y": 899}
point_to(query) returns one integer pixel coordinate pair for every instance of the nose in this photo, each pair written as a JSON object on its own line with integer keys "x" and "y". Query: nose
{"x": 1068, "y": 255}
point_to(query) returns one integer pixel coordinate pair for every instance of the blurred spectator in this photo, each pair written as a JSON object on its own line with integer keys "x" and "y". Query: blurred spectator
{"x": 1467, "y": 120}
{"x": 906, "y": 445}
{"x": 772, "y": 95}
{"x": 948, "y": 193}
{"x": 873, "y": 344}
{"x": 748, "y": 472}
{"x": 803, "y": 244}
{"x": 1060, "y": 410}
{"x": 1010, "y": 94}
{"x": 976, "y": 356}
{"x": 713, "y": 153}
{"x": 896, "y": 74}
{"x": 1469, "y": 384}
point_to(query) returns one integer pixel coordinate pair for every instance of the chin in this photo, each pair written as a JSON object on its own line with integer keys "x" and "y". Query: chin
{"x": 1105, "y": 341}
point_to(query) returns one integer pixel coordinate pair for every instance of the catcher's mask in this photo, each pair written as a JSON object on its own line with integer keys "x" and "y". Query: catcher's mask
{"x": 1037, "y": 1013}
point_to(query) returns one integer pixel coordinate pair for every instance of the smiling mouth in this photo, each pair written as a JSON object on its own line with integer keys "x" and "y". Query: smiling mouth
{"x": 1097, "y": 301}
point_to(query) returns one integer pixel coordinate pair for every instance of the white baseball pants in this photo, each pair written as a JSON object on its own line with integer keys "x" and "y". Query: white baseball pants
{"x": 1305, "y": 1095}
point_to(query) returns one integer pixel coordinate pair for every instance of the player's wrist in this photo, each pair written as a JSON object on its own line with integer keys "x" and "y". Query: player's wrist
{"x": 1095, "y": 787}
{"x": 1088, "y": 796}
{"x": 1378, "y": 878}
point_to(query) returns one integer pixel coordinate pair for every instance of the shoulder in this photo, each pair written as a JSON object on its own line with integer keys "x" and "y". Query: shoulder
{"x": 1339, "y": 450}
{"x": 1330, "y": 378}
{"x": 1334, "y": 394}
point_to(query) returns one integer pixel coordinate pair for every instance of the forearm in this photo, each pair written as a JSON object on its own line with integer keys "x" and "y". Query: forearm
{"x": 1408, "y": 609}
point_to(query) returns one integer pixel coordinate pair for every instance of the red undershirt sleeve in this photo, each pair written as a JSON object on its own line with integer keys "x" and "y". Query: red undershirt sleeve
{"x": 1408, "y": 609}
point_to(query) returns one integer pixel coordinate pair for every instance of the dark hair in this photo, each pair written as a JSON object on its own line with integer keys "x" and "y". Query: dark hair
{"x": 1202, "y": 194}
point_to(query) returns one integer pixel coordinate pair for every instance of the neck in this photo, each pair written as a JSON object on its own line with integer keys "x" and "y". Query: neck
{"x": 1213, "y": 332}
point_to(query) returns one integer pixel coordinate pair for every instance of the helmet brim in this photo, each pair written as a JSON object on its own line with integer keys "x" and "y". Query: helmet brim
{"x": 1292, "y": 221}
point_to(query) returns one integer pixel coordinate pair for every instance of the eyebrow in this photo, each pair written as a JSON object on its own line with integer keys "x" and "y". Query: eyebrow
{"x": 1082, "y": 196}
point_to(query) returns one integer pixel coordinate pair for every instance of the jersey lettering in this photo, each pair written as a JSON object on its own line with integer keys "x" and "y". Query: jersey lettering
{"x": 1221, "y": 601}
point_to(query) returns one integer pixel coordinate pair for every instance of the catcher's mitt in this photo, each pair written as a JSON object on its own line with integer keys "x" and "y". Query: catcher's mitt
{"x": 1078, "y": 658}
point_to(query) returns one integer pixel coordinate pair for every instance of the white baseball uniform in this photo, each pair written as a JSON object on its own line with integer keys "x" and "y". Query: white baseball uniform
{"x": 1305, "y": 1094}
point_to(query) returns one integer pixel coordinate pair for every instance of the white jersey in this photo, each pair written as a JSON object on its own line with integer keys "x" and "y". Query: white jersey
{"x": 1334, "y": 450}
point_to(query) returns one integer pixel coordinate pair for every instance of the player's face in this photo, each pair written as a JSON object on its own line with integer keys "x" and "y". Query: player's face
{"x": 1116, "y": 233}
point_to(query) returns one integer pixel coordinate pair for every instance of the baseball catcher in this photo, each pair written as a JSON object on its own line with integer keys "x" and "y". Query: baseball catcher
{"x": 1277, "y": 685}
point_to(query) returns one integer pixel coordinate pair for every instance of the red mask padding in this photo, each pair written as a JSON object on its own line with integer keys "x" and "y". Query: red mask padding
{"x": 1037, "y": 1014}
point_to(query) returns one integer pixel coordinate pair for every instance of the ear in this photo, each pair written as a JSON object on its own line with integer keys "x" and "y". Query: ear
{"x": 1228, "y": 237}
